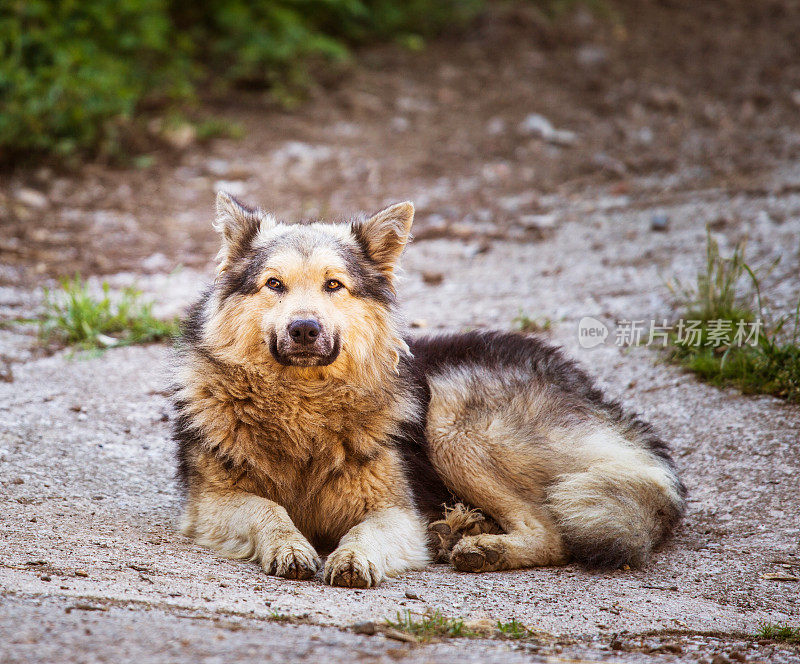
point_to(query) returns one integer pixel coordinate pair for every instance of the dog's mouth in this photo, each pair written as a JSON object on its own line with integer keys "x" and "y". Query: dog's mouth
{"x": 305, "y": 357}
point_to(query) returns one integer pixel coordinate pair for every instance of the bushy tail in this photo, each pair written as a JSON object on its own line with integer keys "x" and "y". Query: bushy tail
{"x": 610, "y": 516}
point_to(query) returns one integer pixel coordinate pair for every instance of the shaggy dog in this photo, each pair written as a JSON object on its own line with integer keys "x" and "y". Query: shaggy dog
{"x": 306, "y": 423}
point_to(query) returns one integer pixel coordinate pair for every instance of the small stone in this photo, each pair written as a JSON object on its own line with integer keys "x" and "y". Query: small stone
{"x": 399, "y": 124}
{"x": 495, "y": 126}
{"x": 411, "y": 595}
{"x": 218, "y": 167}
{"x": 368, "y": 628}
{"x": 181, "y": 136}
{"x": 432, "y": 278}
{"x": 155, "y": 262}
{"x": 46, "y": 577}
{"x": 616, "y": 644}
{"x": 538, "y": 125}
{"x": 591, "y": 55}
{"x": 32, "y": 198}
{"x": 81, "y": 573}
{"x": 659, "y": 222}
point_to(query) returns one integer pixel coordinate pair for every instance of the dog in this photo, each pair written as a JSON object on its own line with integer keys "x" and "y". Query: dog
{"x": 307, "y": 424}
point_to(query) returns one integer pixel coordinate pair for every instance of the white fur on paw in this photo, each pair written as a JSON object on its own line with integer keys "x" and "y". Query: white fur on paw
{"x": 291, "y": 560}
{"x": 350, "y": 568}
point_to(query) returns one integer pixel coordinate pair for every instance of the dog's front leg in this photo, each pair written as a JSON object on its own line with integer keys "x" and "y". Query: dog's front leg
{"x": 385, "y": 543}
{"x": 243, "y": 525}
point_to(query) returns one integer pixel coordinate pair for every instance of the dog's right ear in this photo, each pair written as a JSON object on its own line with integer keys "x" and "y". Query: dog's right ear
{"x": 238, "y": 226}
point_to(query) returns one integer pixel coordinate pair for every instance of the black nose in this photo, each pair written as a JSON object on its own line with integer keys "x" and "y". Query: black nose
{"x": 304, "y": 332}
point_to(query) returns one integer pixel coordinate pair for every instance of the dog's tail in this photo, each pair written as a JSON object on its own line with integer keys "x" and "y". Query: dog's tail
{"x": 610, "y": 516}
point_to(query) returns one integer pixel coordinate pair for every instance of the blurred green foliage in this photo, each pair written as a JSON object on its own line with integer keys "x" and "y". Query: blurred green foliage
{"x": 73, "y": 73}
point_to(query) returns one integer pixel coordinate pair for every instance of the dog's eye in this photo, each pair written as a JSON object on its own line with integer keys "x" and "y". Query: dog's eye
{"x": 274, "y": 284}
{"x": 333, "y": 285}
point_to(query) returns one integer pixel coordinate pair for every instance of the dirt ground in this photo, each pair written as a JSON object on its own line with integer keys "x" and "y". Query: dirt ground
{"x": 668, "y": 111}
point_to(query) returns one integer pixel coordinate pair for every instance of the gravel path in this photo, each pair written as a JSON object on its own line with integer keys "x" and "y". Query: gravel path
{"x": 93, "y": 570}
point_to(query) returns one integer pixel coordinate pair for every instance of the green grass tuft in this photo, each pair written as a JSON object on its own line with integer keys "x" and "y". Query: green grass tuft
{"x": 776, "y": 632}
{"x": 430, "y": 625}
{"x": 526, "y": 324}
{"x": 73, "y": 316}
{"x": 218, "y": 128}
{"x": 277, "y": 616}
{"x": 726, "y": 304}
{"x": 513, "y": 629}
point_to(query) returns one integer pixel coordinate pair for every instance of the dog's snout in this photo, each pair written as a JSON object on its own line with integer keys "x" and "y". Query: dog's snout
{"x": 304, "y": 332}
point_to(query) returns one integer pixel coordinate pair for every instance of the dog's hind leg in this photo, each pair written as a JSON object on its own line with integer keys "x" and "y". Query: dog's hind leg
{"x": 515, "y": 501}
{"x": 480, "y": 446}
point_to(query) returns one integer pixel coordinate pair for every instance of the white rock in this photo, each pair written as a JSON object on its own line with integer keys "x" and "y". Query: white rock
{"x": 538, "y": 125}
{"x": 399, "y": 124}
{"x": 180, "y": 137}
{"x": 495, "y": 126}
{"x": 218, "y": 167}
{"x": 32, "y": 198}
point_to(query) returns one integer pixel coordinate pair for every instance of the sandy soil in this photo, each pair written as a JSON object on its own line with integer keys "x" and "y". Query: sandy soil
{"x": 91, "y": 566}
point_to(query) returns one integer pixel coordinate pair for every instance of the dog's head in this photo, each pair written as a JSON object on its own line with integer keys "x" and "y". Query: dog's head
{"x": 310, "y": 295}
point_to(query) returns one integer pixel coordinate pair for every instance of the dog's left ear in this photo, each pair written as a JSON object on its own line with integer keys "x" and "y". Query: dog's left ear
{"x": 384, "y": 235}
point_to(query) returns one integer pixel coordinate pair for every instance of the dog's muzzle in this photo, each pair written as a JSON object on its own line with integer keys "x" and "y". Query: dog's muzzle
{"x": 304, "y": 343}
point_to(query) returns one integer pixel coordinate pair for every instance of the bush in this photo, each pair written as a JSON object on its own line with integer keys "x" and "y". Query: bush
{"x": 74, "y": 73}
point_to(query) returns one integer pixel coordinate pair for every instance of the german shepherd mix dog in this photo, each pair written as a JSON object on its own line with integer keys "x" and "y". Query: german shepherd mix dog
{"x": 307, "y": 423}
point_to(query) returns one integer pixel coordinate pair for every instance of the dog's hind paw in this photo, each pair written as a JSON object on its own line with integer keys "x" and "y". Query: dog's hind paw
{"x": 350, "y": 568}
{"x": 459, "y": 521}
{"x": 482, "y": 553}
{"x": 296, "y": 560}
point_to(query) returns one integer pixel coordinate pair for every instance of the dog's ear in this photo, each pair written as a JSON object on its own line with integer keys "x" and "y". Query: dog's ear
{"x": 237, "y": 225}
{"x": 384, "y": 235}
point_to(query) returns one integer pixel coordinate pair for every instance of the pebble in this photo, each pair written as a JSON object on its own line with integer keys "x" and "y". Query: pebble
{"x": 591, "y": 55}
{"x": 180, "y": 137}
{"x": 495, "y": 126}
{"x": 399, "y": 124}
{"x": 368, "y": 628}
{"x": 538, "y": 125}
{"x": 659, "y": 222}
{"x": 32, "y": 198}
{"x": 432, "y": 278}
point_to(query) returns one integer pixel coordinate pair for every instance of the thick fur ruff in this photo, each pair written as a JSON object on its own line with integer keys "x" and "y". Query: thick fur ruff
{"x": 354, "y": 442}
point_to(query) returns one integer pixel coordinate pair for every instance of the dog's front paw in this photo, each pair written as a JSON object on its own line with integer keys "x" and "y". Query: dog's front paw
{"x": 350, "y": 568}
{"x": 292, "y": 560}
